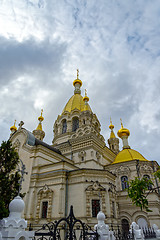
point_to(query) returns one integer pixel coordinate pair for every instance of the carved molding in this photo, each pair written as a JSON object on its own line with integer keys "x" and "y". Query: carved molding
{"x": 44, "y": 194}
{"x": 123, "y": 170}
{"x": 16, "y": 145}
{"x": 95, "y": 189}
{"x": 146, "y": 169}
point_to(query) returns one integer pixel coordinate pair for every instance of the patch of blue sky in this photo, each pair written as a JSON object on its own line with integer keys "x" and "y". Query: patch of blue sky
{"x": 136, "y": 42}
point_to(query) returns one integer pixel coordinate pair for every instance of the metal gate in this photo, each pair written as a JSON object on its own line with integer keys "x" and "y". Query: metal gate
{"x": 69, "y": 228}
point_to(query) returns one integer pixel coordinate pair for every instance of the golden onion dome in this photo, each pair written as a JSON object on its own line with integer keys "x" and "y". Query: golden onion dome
{"x": 86, "y": 98}
{"x": 77, "y": 80}
{"x": 123, "y": 131}
{"x": 75, "y": 102}
{"x": 127, "y": 155}
{"x": 111, "y": 126}
{"x": 41, "y": 118}
{"x": 13, "y": 128}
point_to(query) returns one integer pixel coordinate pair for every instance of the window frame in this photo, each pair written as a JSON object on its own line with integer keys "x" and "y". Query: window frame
{"x": 124, "y": 183}
{"x": 44, "y": 212}
{"x": 95, "y": 208}
{"x": 75, "y": 124}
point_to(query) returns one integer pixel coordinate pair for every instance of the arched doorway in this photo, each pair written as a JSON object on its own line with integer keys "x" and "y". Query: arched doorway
{"x": 125, "y": 227}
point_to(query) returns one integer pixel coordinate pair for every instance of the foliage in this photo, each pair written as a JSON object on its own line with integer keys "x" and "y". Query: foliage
{"x": 9, "y": 176}
{"x": 137, "y": 192}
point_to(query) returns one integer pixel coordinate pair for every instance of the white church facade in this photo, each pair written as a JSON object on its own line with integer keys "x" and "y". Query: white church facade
{"x": 79, "y": 169}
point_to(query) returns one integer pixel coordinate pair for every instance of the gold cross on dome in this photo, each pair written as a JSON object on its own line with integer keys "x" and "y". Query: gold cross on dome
{"x": 77, "y": 73}
{"x": 121, "y": 122}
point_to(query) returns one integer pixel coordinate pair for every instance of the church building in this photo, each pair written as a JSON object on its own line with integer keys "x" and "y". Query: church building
{"x": 79, "y": 169}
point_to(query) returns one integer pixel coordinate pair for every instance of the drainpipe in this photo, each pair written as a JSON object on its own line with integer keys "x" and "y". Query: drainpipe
{"x": 66, "y": 195}
{"x": 137, "y": 168}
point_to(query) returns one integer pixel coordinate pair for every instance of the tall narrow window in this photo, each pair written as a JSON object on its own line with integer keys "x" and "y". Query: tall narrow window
{"x": 150, "y": 185}
{"x": 125, "y": 228}
{"x": 44, "y": 209}
{"x": 64, "y": 126}
{"x": 75, "y": 124}
{"x": 95, "y": 207}
{"x": 124, "y": 182}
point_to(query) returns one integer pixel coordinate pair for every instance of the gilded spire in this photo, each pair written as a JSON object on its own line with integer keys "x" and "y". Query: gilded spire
{"x": 77, "y": 83}
{"x": 41, "y": 118}
{"x": 113, "y": 141}
{"x": 86, "y": 99}
{"x": 111, "y": 126}
{"x": 121, "y": 123}
{"x": 77, "y": 73}
{"x": 38, "y": 132}
{"x": 13, "y": 128}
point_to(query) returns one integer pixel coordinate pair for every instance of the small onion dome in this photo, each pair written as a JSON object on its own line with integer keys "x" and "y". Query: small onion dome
{"x": 101, "y": 216}
{"x": 77, "y": 80}
{"x": 123, "y": 131}
{"x": 111, "y": 126}
{"x": 13, "y": 128}
{"x": 86, "y": 98}
{"x": 16, "y": 205}
{"x": 41, "y": 118}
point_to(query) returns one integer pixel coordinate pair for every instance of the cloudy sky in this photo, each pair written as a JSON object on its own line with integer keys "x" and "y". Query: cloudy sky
{"x": 114, "y": 43}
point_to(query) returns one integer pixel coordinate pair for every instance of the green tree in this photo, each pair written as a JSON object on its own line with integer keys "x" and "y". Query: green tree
{"x": 157, "y": 173}
{"x": 9, "y": 176}
{"x": 138, "y": 191}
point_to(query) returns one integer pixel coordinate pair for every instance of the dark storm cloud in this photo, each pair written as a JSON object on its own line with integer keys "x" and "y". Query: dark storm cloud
{"x": 28, "y": 57}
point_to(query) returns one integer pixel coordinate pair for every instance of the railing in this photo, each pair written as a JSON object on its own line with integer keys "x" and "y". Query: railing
{"x": 69, "y": 228}
{"x": 120, "y": 234}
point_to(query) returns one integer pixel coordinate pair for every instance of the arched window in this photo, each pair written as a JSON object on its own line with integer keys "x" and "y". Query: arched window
{"x": 64, "y": 126}
{"x": 75, "y": 124}
{"x": 148, "y": 178}
{"x": 124, "y": 182}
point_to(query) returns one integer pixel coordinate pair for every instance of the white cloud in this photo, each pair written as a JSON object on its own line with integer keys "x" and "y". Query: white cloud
{"x": 115, "y": 44}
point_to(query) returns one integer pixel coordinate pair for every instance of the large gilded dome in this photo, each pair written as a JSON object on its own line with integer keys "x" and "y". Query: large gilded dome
{"x": 75, "y": 102}
{"x": 128, "y": 155}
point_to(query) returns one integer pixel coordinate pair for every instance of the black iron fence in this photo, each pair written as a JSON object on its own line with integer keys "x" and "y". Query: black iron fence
{"x": 123, "y": 233}
{"x": 71, "y": 228}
